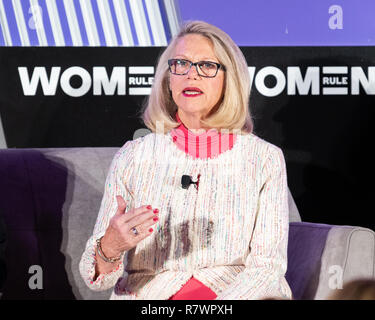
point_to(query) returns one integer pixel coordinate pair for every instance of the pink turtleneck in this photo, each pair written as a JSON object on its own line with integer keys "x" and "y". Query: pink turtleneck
{"x": 208, "y": 144}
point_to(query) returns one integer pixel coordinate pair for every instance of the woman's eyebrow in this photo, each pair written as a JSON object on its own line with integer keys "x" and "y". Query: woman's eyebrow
{"x": 202, "y": 59}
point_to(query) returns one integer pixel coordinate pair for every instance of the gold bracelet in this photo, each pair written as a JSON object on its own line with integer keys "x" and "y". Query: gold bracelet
{"x": 102, "y": 255}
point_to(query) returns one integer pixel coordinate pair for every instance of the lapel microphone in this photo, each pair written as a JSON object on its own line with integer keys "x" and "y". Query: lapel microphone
{"x": 186, "y": 181}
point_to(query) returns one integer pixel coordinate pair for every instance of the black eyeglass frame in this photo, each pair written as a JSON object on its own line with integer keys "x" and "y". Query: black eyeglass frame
{"x": 195, "y": 64}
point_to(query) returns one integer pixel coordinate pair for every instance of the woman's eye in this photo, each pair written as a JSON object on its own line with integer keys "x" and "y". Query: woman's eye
{"x": 208, "y": 65}
{"x": 181, "y": 63}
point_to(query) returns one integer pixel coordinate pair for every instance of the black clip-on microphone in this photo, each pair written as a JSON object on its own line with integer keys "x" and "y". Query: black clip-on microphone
{"x": 186, "y": 181}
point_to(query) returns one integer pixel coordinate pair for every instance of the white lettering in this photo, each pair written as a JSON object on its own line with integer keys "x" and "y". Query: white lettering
{"x": 280, "y": 81}
{"x": 335, "y": 91}
{"x": 139, "y": 81}
{"x": 335, "y": 70}
{"x": 115, "y": 82}
{"x": 311, "y": 80}
{"x": 39, "y": 74}
{"x": 139, "y": 91}
{"x": 252, "y": 74}
{"x": 158, "y": 310}
{"x": 141, "y": 70}
{"x": 335, "y": 80}
{"x": 368, "y": 83}
{"x": 118, "y": 79}
{"x": 65, "y": 81}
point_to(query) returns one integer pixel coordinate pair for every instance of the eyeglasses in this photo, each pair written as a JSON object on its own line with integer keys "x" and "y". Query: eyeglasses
{"x": 207, "y": 69}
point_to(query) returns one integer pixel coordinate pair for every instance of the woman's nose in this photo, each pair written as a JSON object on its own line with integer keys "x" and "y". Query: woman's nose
{"x": 193, "y": 72}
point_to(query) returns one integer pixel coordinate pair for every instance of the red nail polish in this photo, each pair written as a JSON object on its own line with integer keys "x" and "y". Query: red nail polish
{"x": 156, "y": 219}
{"x": 149, "y": 207}
{"x": 156, "y": 211}
{"x": 150, "y": 230}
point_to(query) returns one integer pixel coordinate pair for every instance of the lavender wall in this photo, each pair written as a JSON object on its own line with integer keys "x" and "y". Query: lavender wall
{"x": 288, "y": 22}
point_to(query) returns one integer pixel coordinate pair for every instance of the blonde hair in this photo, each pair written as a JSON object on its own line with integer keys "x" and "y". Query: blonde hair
{"x": 233, "y": 112}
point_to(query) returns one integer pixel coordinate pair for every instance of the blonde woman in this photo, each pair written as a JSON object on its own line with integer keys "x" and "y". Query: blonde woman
{"x": 198, "y": 208}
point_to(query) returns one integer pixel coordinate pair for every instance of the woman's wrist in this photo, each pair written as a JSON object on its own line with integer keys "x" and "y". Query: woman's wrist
{"x": 106, "y": 252}
{"x": 102, "y": 267}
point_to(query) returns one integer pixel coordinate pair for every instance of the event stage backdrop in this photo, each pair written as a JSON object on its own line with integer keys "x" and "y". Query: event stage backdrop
{"x": 316, "y": 103}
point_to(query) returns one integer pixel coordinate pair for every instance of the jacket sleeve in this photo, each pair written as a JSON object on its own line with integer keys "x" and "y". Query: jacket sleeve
{"x": 266, "y": 262}
{"x": 116, "y": 184}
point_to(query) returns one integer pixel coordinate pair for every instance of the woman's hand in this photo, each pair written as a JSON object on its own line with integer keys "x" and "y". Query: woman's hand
{"x": 126, "y": 229}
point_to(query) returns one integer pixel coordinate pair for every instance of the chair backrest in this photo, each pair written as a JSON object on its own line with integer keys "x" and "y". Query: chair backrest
{"x": 50, "y": 200}
{"x": 294, "y": 215}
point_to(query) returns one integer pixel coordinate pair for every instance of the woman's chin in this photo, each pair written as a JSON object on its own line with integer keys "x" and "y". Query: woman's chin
{"x": 193, "y": 108}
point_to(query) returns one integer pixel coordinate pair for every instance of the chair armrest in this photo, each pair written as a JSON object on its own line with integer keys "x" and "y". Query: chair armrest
{"x": 322, "y": 257}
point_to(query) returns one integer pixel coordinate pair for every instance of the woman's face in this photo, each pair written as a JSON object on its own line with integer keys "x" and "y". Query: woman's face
{"x": 196, "y": 48}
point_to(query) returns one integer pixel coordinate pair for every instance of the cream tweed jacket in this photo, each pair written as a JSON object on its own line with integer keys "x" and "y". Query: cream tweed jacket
{"x": 231, "y": 234}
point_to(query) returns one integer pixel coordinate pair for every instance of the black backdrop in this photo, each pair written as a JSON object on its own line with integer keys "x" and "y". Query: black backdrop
{"x": 326, "y": 138}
